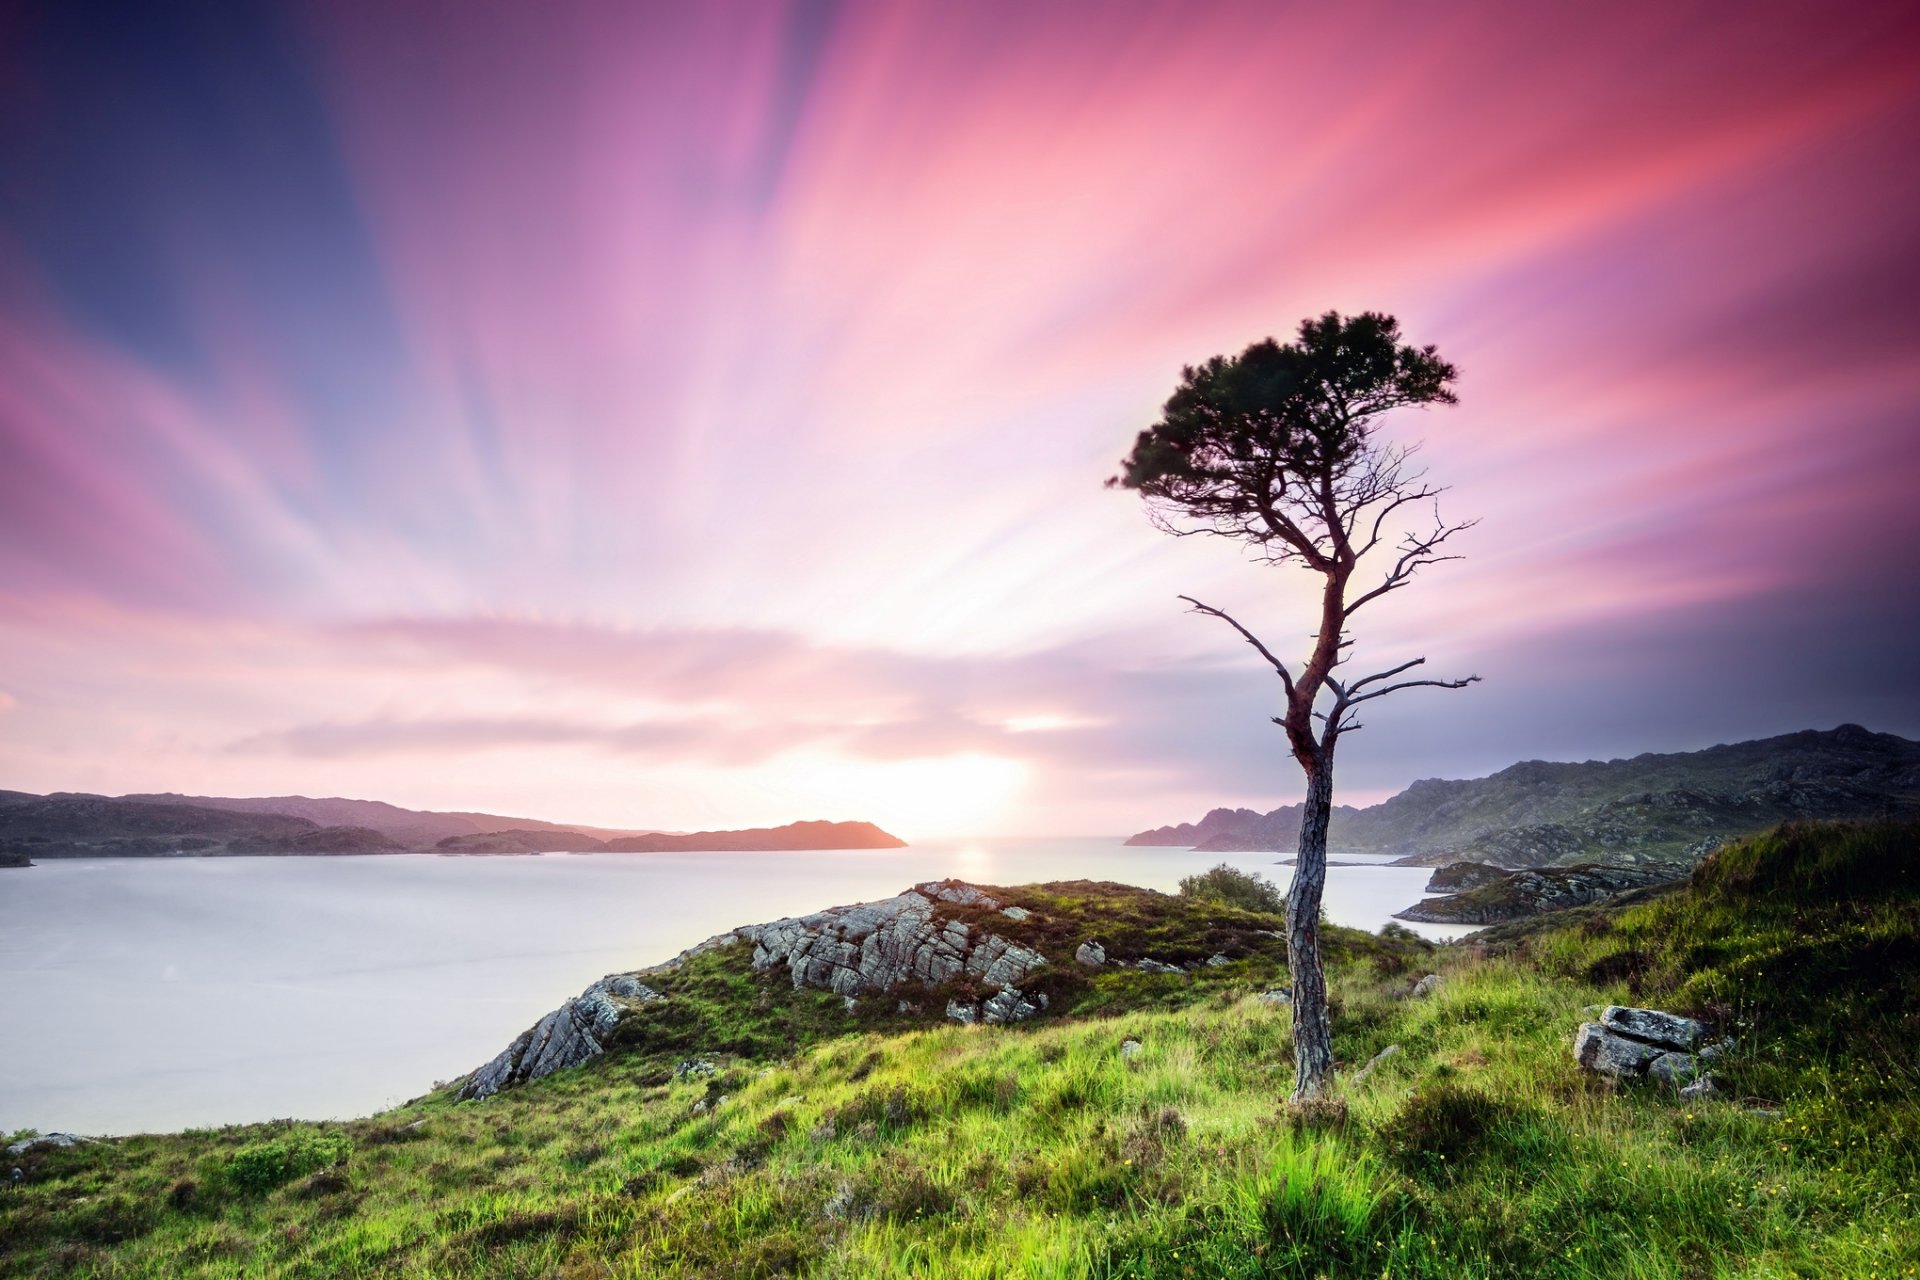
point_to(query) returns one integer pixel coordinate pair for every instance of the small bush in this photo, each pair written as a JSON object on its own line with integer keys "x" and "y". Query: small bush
{"x": 1235, "y": 888}
{"x": 261, "y": 1166}
{"x": 1444, "y": 1127}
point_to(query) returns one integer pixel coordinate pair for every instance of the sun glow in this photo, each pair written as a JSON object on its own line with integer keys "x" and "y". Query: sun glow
{"x": 924, "y": 798}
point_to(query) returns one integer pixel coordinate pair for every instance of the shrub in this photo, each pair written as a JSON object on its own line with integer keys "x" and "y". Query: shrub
{"x": 259, "y": 1167}
{"x": 1443, "y": 1127}
{"x": 1235, "y": 888}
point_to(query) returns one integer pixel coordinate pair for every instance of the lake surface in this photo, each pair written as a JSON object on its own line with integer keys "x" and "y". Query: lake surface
{"x": 148, "y": 994}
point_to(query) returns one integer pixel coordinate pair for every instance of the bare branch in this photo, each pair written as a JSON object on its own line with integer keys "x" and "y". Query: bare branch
{"x": 1286, "y": 677}
{"x": 1413, "y": 684}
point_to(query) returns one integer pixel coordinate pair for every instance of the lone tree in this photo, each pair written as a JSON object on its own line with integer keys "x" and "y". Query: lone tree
{"x": 1277, "y": 448}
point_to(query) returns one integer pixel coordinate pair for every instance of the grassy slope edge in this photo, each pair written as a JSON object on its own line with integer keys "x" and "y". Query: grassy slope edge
{"x": 901, "y": 1147}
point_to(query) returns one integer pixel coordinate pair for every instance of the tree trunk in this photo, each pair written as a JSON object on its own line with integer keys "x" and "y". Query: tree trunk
{"x": 1312, "y": 1029}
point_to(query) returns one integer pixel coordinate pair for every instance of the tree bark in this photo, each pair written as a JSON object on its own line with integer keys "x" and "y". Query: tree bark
{"x": 1312, "y": 1028}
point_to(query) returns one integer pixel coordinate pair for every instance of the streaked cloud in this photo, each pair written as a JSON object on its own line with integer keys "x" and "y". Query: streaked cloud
{"x": 724, "y": 391}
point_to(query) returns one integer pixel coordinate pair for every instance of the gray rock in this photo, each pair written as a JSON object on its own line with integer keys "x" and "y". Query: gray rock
{"x": 1704, "y": 1087}
{"x": 1373, "y": 1062}
{"x": 48, "y": 1142}
{"x": 1091, "y": 954}
{"x": 953, "y": 891}
{"x": 1718, "y": 1050}
{"x": 1675, "y": 1069}
{"x": 967, "y": 1013}
{"x": 1427, "y": 986}
{"x": 1278, "y": 995}
{"x": 1653, "y": 1026}
{"x": 1599, "y": 1049}
{"x": 574, "y": 1033}
{"x": 1007, "y": 1005}
{"x": 1131, "y": 1049}
{"x": 1015, "y": 913}
{"x": 1215, "y": 961}
{"x": 693, "y": 1068}
{"x": 1149, "y": 965}
{"x": 850, "y": 951}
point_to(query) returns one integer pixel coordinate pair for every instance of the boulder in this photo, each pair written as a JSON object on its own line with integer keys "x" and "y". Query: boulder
{"x": 1009, "y": 1005}
{"x": 1131, "y": 1049}
{"x": 1598, "y": 1049}
{"x": 1628, "y": 1042}
{"x": 1676, "y": 1069}
{"x": 1149, "y": 965}
{"x": 1091, "y": 954}
{"x": 1278, "y": 995}
{"x": 1653, "y": 1026}
{"x": 48, "y": 1142}
{"x": 1426, "y": 986}
{"x": 574, "y": 1033}
{"x": 1373, "y": 1062}
{"x": 850, "y": 951}
{"x": 1015, "y": 913}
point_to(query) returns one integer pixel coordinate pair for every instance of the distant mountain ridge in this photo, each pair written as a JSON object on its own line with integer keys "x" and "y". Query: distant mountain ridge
{"x": 72, "y": 824}
{"x": 1651, "y": 809}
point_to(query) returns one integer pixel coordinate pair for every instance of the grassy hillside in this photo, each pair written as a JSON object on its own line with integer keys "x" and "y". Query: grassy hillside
{"x": 885, "y": 1146}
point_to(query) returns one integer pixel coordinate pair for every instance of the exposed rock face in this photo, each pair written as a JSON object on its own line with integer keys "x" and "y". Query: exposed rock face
{"x": 851, "y": 950}
{"x": 876, "y": 946}
{"x": 572, "y": 1034}
{"x": 1519, "y": 894}
{"x": 47, "y": 1142}
{"x": 1629, "y": 1043}
{"x": 1458, "y": 877}
{"x": 1653, "y": 808}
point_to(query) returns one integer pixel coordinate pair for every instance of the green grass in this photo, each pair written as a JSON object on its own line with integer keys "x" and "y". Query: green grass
{"x": 907, "y": 1148}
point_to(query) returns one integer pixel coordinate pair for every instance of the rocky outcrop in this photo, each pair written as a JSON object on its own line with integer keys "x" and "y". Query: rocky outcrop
{"x": 574, "y": 1033}
{"x": 1519, "y": 894}
{"x": 851, "y": 951}
{"x": 876, "y": 946}
{"x": 1652, "y": 809}
{"x": 1628, "y": 1043}
{"x": 1458, "y": 877}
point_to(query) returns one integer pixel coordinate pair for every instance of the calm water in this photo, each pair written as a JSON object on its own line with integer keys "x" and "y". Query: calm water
{"x": 155, "y": 994}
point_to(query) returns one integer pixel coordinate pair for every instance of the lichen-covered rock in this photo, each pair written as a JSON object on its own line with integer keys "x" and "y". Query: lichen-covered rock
{"x": 1146, "y": 964}
{"x": 1009, "y": 1005}
{"x": 1598, "y": 1049}
{"x": 1360, "y": 1076}
{"x": 1630, "y": 1042}
{"x": 1653, "y": 1026}
{"x": 1276, "y": 996}
{"x": 574, "y": 1033}
{"x": 1676, "y": 1069}
{"x": 968, "y": 1013}
{"x": 1091, "y": 954}
{"x": 956, "y": 892}
{"x": 850, "y": 951}
{"x": 1426, "y": 986}
{"x": 1131, "y": 1049}
{"x": 1015, "y": 913}
{"x": 1704, "y": 1087}
{"x": 47, "y": 1142}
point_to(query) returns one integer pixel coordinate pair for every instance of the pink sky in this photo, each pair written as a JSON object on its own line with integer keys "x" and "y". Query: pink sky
{"x": 696, "y": 415}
